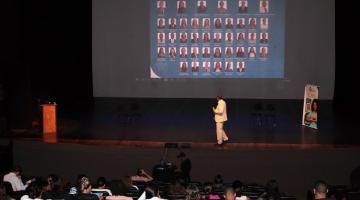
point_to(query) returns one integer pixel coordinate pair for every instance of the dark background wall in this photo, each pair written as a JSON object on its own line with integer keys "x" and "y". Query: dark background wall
{"x": 46, "y": 55}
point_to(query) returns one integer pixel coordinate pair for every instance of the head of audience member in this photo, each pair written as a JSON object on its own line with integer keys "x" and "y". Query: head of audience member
{"x": 101, "y": 183}
{"x": 17, "y": 170}
{"x": 5, "y": 190}
{"x": 192, "y": 192}
{"x": 152, "y": 191}
{"x": 85, "y": 186}
{"x": 208, "y": 188}
{"x": 272, "y": 189}
{"x": 229, "y": 193}
{"x": 53, "y": 183}
{"x": 320, "y": 189}
{"x": 218, "y": 180}
{"x": 34, "y": 190}
{"x": 237, "y": 185}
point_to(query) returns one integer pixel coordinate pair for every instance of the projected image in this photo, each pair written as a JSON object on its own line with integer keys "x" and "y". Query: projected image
{"x": 217, "y": 39}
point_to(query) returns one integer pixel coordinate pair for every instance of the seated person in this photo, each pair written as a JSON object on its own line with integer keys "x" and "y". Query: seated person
{"x": 85, "y": 190}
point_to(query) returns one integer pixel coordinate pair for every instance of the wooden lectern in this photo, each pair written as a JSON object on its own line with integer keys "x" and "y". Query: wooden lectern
{"x": 49, "y": 122}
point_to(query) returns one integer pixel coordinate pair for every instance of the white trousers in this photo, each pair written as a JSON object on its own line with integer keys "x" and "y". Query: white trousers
{"x": 220, "y": 133}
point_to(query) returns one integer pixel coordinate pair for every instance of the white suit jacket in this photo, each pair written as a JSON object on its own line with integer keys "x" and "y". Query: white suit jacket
{"x": 220, "y": 111}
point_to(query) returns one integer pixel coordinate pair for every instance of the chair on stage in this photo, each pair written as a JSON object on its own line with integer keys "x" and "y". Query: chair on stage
{"x": 257, "y": 115}
{"x": 270, "y": 117}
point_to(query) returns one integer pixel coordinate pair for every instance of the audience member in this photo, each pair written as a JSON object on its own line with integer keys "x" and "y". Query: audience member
{"x": 14, "y": 178}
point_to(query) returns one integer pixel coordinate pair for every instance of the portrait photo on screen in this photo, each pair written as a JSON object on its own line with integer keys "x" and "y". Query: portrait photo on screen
{"x": 240, "y": 37}
{"x": 195, "y": 67}
{"x": 222, "y": 6}
{"x": 229, "y": 66}
{"x": 217, "y": 66}
{"x": 172, "y": 52}
{"x": 161, "y": 23}
{"x": 183, "y": 23}
{"x": 263, "y": 52}
{"x": 194, "y": 37}
{"x": 229, "y": 37}
{"x": 252, "y": 37}
{"x": 228, "y": 52}
{"x": 243, "y": 6}
{"x": 240, "y": 52}
{"x": 183, "y": 37}
{"x": 206, "y": 52}
{"x": 183, "y": 67}
{"x": 201, "y": 6}
{"x": 161, "y": 37}
{"x": 264, "y": 6}
{"x": 264, "y": 37}
{"x": 252, "y": 23}
{"x": 194, "y": 52}
{"x": 264, "y": 23}
{"x": 172, "y": 23}
{"x": 251, "y": 52}
{"x": 183, "y": 52}
{"x": 240, "y": 23}
{"x": 217, "y": 52}
{"x": 206, "y": 37}
{"x": 161, "y": 52}
{"x": 161, "y": 6}
{"x": 206, "y": 23}
{"x": 194, "y": 22}
{"x": 217, "y": 37}
{"x": 217, "y": 23}
{"x": 229, "y": 23}
{"x": 206, "y": 66}
{"x": 172, "y": 37}
{"x": 181, "y": 6}
{"x": 240, "y": 67}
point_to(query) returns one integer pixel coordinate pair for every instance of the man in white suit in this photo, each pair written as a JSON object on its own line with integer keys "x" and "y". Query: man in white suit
{"x": 220, "y": 117}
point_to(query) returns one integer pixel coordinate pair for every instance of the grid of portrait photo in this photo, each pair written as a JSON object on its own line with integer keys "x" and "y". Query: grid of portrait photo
{"x": 211, "y": 37}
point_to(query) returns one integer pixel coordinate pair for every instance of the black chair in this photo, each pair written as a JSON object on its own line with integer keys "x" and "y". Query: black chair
{"x": 258, "y": 115}
{"x": 270, "y": 117}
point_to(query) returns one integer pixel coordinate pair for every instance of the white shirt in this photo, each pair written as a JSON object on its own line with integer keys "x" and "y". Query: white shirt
{"x": 220, "y": 111}
{"x": 26, "y": 197}
{"x": 15, "y": 181}
{"x": 143, "y": 197}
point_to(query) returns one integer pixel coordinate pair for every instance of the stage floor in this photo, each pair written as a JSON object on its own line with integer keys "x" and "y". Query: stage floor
{"x": 153, "y": 122}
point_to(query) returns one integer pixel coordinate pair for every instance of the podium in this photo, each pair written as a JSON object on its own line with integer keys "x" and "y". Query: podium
{"x": 49, "y": 122}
